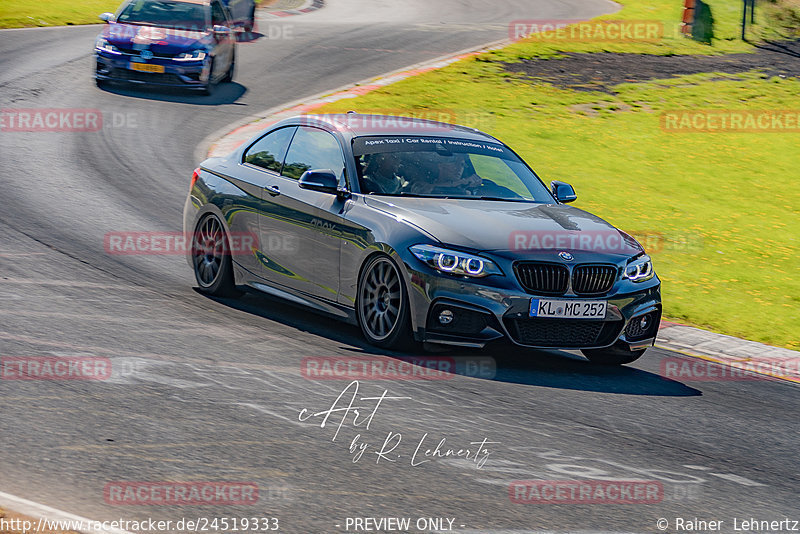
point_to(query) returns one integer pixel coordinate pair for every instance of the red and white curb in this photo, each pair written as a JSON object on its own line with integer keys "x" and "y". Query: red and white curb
{"x": 739, "y": 354}
{"x": 308, "y": 7}
{"x": 46, "y": 515}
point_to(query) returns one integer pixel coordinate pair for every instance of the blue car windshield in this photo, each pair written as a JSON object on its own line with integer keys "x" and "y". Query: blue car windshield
{"x": 444, "y": 168}
{"x": 165, "y": 14}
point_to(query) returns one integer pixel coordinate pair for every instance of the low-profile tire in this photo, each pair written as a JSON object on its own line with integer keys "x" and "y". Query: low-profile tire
{"x": 612, "y": 355}
{"x": 382, "y": 305}
{"x": 211, "y": 258}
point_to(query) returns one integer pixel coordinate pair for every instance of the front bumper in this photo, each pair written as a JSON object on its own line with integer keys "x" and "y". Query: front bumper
{"x": 189, "y": 74}
{"x": 482, "y": 313}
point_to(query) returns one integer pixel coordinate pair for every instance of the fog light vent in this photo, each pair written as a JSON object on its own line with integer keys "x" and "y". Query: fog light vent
{"x": 450, "y": 319}
{"x": 641, "y": 327}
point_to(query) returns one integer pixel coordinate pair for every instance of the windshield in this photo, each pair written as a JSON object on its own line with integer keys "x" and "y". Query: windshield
{"x": 165, "y": 14}
{"x": 444, "y": 168}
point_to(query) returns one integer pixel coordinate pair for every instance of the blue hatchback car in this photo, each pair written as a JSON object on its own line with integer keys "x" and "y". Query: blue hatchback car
{"x": 177, "y": 43}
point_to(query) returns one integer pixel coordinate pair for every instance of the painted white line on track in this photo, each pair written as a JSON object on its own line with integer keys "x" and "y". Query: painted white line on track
{"x": 47, "y": 513}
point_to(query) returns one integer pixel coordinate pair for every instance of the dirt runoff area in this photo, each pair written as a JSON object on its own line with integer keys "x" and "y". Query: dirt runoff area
{"x": 601, "y": 71}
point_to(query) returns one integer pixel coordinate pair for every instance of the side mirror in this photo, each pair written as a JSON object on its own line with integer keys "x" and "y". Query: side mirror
{"x": 563, "y": 192}
{"x": 322, "y": 180}
{"x": 217, "y": 29}
{"x": 107, "y": 17}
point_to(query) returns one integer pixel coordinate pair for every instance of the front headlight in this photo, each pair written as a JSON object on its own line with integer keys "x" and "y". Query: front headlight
{"x": 454, "y": 262}
{"x": 194, "y": 55}
{"x": 640, "y": 269}
{"x": 105, "y": 46}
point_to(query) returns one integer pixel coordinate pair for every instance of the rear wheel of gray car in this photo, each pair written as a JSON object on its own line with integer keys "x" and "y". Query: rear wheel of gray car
{"x": 612, "y": 355}
{"x": 382, "y": 305}
{"x": 211, "y": 258}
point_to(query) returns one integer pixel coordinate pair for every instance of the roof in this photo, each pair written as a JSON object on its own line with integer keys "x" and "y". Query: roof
{"x": 361, "y": 125}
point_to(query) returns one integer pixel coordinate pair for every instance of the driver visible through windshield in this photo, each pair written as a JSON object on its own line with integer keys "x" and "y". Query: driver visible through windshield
{"x": 444, "y": 168}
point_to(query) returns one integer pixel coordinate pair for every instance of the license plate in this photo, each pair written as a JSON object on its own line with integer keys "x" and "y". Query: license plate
{"x": 147, "y": 67}
{"x": 568, "y": 309}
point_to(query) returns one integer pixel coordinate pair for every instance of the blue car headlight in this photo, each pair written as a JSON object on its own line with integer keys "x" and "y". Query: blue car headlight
{"x": 640, "y": 269}
{"x": 103, "y": 45}
{"x": 194, "y": 55}
{"x": 455, "y": 262}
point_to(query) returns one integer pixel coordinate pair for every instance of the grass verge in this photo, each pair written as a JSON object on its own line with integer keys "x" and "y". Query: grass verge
{"x": 29, "y": 13}
{"x": 720, "y": 212}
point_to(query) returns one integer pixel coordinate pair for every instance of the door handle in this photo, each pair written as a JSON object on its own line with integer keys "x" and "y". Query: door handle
{"x": 273, "y": 190}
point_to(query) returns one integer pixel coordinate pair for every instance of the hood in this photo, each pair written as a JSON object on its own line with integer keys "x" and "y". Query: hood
{"x": 160, "y": 41}
{"x": 512, "y": 227}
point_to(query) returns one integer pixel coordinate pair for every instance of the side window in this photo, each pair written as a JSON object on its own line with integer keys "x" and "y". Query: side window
{"x": 268, "y": 152}
{"x": 311, "y": 149}
{"x": 218, "y": 15}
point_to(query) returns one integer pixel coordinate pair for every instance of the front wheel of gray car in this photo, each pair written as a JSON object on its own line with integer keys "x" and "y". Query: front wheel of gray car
{"x": 211, "y": 258}
{"x": 612, "y": 355}
{"x": 382, "y": 305}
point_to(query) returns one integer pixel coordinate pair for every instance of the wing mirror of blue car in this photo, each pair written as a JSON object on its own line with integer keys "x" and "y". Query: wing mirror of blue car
{"x": 107, "y": 17}
{"x": 322, "y": 180}
{"x": 563, "y": 192}
{"x": 220, "y": 30}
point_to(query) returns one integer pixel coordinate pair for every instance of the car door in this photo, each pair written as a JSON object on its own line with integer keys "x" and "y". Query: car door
{"x": 304, "y": 225}
{"x": 259, "y": 169}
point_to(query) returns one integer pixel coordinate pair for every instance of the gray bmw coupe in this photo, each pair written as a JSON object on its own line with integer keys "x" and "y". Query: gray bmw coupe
{"x": 418, "y": 231}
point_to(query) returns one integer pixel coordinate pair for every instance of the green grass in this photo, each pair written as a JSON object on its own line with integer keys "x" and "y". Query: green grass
{"x": 720, "y": 212}
{"x": 29, "y": 13}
